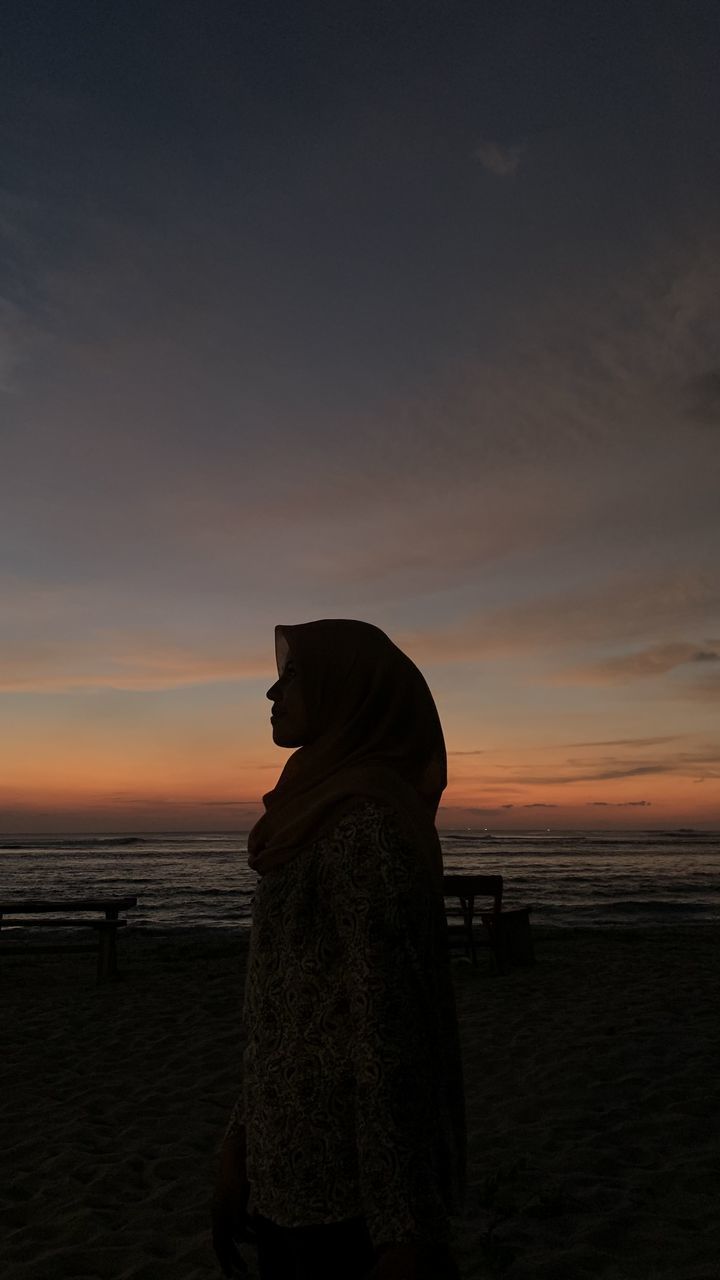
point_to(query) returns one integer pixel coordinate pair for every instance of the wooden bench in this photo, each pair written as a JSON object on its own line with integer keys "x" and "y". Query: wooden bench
{"x": 106, "y": 928}
{"x": 467, "y": 888}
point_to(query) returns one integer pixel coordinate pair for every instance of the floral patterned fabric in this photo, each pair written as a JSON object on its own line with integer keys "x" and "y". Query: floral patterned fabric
{"x": 353, "y": 1099}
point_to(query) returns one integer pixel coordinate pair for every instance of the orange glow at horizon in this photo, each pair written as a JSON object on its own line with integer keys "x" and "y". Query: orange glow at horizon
{"x": 201, "y": 759}
{"x": 184, "y": 795}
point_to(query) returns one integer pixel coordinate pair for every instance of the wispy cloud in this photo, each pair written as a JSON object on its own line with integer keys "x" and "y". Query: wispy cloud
{"x": 645, "y": 663}
{"x": 619, "y": 608}
{"x": 567, "y": 442}
{"x": 162, "y": 802}
{"x": 502, "y": 808}
{"x": 503, "y": 161}
{"x": 629, "y": 742}
{"x": 598, "y": 775}
{"x": 619, "y": 804}
{"x": 111, "y": 661}
{"x": 702, "y": 761}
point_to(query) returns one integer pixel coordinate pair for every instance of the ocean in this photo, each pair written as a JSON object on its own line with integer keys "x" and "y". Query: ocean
{"x": 570, "y": 878}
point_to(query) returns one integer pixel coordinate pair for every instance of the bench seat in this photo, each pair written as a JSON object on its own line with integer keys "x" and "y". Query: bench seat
{"x": 17, "y": 915}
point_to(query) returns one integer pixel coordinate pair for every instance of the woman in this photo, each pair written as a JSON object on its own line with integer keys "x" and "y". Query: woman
{"x": 345, "y": 1153}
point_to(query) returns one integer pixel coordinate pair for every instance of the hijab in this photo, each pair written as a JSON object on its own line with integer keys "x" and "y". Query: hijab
{"x": 373, "y": 731}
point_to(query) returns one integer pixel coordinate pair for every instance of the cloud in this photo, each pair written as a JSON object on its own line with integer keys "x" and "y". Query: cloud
{"x": 474, "y": 809}
{"x": 628, "y": 742}
{"x": 619, "y": 804}
{"x": 620, "y": 607}
{"x": 600, "y": 775}
{"x": 500, "y": 160}
{"x": 655, "y": 660}
{"x": 117, "y": 661}
{"x": 224, "y": 803}
{"x": 702, "y": 760}
{"x": 161, "y": 802}
{"x": 536, "y": 448}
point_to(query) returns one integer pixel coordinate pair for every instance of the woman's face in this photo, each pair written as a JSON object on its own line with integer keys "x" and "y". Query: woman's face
{"x": 289, "y": 715}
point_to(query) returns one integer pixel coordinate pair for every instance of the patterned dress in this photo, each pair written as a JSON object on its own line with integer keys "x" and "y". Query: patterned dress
{"x": 353, "y": 1099}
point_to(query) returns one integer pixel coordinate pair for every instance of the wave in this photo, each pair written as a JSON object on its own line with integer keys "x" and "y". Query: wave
{"x": 474, "y": 836}
{"x": 629, "y": 906}
{"x": 93, "y": 842}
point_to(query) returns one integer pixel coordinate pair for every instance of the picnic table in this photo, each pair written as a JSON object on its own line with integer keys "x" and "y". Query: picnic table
{"x": 39, "y": 911}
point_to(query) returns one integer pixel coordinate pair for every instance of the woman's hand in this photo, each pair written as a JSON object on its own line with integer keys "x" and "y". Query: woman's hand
{"x": 228, "y": 1208}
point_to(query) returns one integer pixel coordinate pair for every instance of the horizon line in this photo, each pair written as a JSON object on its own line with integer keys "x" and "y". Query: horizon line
{"x": 183, "y": 831}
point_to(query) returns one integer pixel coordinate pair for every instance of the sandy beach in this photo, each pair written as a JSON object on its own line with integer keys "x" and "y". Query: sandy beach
{"x": 592, "y": 1097}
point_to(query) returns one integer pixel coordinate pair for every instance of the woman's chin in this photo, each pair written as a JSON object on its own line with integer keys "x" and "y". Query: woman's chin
{"x": 283, "y": 738}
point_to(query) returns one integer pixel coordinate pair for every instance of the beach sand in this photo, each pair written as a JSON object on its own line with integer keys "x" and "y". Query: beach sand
{"x": 592, "y": 1095}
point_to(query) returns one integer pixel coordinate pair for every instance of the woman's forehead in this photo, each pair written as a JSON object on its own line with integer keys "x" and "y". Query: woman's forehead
{"x": 282, "y": 651}
{"x": 337, "y": 646}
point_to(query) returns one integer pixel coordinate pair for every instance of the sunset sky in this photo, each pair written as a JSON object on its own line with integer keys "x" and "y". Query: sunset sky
{"x": 407, "y": 312}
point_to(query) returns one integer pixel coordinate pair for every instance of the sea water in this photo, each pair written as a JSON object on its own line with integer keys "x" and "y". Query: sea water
{"x": 568, "y": 878}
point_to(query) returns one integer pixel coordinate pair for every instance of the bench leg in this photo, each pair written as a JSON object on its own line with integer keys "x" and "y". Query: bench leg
{"x": 496, "y": 943}
{"x": 466, "y": 906}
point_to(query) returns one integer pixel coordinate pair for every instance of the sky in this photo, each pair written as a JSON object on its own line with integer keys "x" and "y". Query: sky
{"x": 404, "y": 312}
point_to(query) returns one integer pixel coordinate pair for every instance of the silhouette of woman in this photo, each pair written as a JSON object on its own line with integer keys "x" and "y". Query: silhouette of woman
{"x": 345, "y": 1153}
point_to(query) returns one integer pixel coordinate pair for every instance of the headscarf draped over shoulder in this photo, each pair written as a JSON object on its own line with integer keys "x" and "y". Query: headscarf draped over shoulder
{"x": 373, "y": 731}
